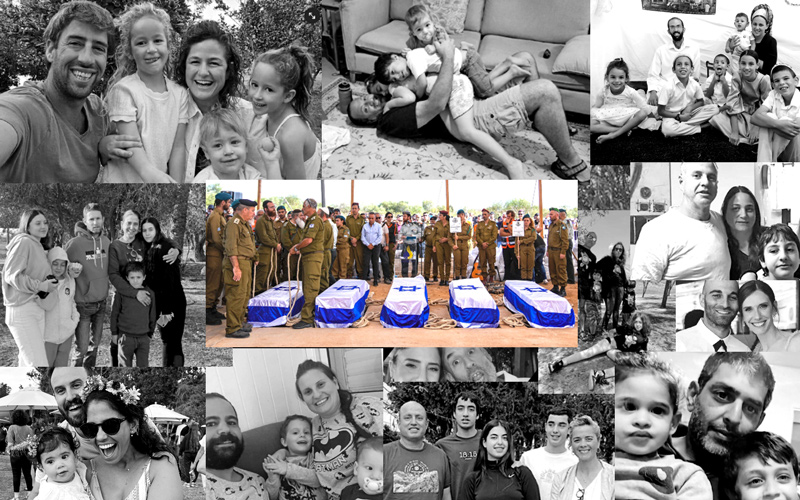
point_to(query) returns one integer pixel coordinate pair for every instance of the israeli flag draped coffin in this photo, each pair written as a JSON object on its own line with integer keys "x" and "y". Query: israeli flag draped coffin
{"x": 271, "y": 308}
{"x": 471, "y": 305}
{"x": 342, "y": 304}
{"x": 406, "y": 306}
{"x": 542, "y": 308}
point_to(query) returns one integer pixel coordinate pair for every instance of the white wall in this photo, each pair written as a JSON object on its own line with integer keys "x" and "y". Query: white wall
{"x": 610, "y": 228}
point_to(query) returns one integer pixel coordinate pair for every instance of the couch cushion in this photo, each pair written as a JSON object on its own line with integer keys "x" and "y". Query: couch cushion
{"x": 551, "y": 21}
{"x": 495, "y": 49}
{"x": 451, "y": 14}
{"x": 574, "y": 58}
{"x": 398, "y": 9}
{"x": 258, "y": 443}
{"x": 392, "y": 38}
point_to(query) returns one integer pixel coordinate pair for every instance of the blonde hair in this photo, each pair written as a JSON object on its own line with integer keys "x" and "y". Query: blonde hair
{"x": 219, "y": 118}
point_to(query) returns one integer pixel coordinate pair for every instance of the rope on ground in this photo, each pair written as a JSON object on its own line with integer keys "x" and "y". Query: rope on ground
{"x": 498, "y": 301}
{"x": 373, "y": 302}
{"x": 516, "y": 320}
{"x": 365, "y": 319}
{"x": 436, "y": 323}
{"x": 495, "y": 288}
{"x": 439, "y": 302}
{"x": 292, "y": 322}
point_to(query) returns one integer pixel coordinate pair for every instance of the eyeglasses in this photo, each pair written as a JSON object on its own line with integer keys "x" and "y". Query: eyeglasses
{"x": 579, "y": 496}
{"x": 110, "y": 427}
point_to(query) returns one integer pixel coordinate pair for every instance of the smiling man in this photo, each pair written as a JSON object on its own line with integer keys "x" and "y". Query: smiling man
{"x": 51, "y": 131}
{"x": 661, "y": 67}
{"x": 688, "y": 242}
{"x": 414, "y": 469}
{"x": 548, "y": 461}
{"x": 720, "y": 301}
{"x": 461, "y": 448}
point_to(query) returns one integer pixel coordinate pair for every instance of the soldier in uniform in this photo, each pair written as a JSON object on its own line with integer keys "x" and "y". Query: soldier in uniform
{"x": 268, "y": 248}
{"x": 509, "y": 243}
{"x": 327, "y": 245}
{"x": 562, "y": 214}
{"x": 343, "y": 247}
{"x": 354, "y": 223}
{"x": 557, "y": 245}
{"x": 485, "y": 240}
{"x": 527, "y": 249}
{"x": 429, "y": 237}
{"x": 311, "y": 247}
{"x": 291, "y": 235}
{"x": 460, "y": 243}
{"x": 237, "y": 269}
{"x": 279, "y": 222}
{"x": 442, "y": 248}
{"x": 215, "y": 229}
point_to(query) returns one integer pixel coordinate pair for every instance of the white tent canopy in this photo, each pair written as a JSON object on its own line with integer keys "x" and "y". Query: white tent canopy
{"x": 29, "y": 398}
{"x": 161, "y": 414}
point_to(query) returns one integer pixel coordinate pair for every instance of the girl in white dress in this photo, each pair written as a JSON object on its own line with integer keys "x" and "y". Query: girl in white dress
{"x": 619, "y": 108}
{"x": 65, "y": 476}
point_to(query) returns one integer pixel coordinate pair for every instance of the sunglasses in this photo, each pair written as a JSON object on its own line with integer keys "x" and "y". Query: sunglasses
{"x": 110, "y": 427}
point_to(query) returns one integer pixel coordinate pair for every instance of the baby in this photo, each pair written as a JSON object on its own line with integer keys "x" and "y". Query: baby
{"x": 290, "y": 470}
{"x": 65, "y": 476}
{"x": 761, "y": 465}
{"x": 719, "y": 85}
{"x": 369, "y": 472}
{"x": 645, "y": 414}
{"x": 223, "y": 138}
{"x": 782, "y": 104}
{"x": 740, "y": 41}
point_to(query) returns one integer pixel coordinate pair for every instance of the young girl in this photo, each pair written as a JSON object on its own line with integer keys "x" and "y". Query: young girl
{"x": 290, "y": 470}
{"x": 778, "y": 248}
{"x": 143, "y": 102}
{"x": 619, "y": 108}
{"x": 65, "y": 475}
{"x": 62, "y": 318}
{"x": 280, "y": 86}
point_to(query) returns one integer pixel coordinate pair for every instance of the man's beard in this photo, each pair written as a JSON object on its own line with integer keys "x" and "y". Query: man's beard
{"x": 271, "y": 214}
{"x": 677, "y": 36}
{"x": 81, "y": 418}
{"x": 227, "y": 459}
{"x": 706, "y": 451}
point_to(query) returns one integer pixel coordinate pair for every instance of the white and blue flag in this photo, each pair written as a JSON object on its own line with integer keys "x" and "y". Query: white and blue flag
{"x": 406, "y": 306}
{"x": 342, "y": 304}
{"x": 472, "y": 306}
{"x": 271, "y": 308}
{"x": 542, "y": 308}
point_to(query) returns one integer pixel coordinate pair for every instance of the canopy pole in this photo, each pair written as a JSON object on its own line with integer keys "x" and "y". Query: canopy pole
{"x": 447, "y": 195}
{"x": 352, "y": 191}
{"x": 258, "y": 195}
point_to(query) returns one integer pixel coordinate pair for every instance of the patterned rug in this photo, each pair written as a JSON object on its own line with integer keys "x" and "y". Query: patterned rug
{"x": 368, "y": 156}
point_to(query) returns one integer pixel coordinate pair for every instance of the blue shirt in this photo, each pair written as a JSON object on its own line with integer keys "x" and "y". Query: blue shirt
{"x": 372, "y": 235}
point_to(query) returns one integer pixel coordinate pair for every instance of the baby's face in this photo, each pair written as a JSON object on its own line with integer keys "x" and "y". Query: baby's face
{"x": 398, "y": 70}
{"x": 424, "y": 29}
{"x": 59, "y": 464}
{"x": 298, "y": 438}
{"x": 757, "y": 480}
{"x": 643, "y": 414}
{"x": 369, "y": 471}
{"x": 740, "y": 23}
{"x": 227, "y": 151}
{"x": 720, "y": 66}
{"x": 59, "y": 267}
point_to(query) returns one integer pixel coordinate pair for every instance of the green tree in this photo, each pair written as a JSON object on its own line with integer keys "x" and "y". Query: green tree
{"x": 212, "y": 189}
{"x": 4, "y": 389}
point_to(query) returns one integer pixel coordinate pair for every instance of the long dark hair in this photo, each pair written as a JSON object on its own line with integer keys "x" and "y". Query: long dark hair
{"x": 144, "y": 440}
{"x": 345, "y": 397}
{"x": 150, "y": 248}
{"x": 733, "y": 245}
{"x": 621, "y": 259}
{"x": 505, "y": 463}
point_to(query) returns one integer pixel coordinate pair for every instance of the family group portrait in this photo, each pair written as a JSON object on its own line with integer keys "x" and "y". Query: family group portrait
{"x": 162, "y": 92}
{"x": 678, "y": 81}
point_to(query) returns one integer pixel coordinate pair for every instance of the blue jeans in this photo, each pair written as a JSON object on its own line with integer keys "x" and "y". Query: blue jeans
{"x": 539, "y": 274}
{"x": 89, "y": 332}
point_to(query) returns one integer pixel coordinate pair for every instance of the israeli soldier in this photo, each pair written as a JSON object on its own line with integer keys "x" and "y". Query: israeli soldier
{"x": 430, "y": 256}
{"x": 460, "y": 243}
{"x": 557, "y": 247}
{"x": 268, "y": 249}
{"x": 311, "y": 247}
{"x": 562, "y": 214}
{"x": 354, "y": 223}
{"x": 327, "y": 245}
{"x": 237, "y": 268}
{"x": 443, "y": 249}
{"x": 215, "y": 251}
{"x": 527, "y": 250}
{"x": 485, "y": 240}
{"x": 291, "y": 235}
{"x": 343, "y": 247}
{"x": 278, "y": 223}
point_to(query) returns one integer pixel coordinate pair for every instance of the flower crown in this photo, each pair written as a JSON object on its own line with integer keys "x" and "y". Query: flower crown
{"x": 128, "y": 396}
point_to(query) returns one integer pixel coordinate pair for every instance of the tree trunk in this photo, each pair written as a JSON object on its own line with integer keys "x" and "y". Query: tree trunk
{"x": 182, "y": 207}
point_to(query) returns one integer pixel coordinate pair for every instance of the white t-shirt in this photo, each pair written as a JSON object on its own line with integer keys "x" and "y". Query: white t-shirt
{"x": 545, "y": 466}
{"x": 774, "y": 103}
{"x": 676, "y": 247}
{"x": 420, "y": 62}
{"x": 700, "y": 339}
{"x": 246, "y": 173}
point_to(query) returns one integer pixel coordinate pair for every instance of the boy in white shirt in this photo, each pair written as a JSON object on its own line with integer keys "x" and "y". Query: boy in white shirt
{"x": 778, "y": 118}
{"x": 680, "y": 101}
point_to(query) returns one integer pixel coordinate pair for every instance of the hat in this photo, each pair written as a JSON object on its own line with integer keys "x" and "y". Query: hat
{"x": 433, "y": 217}
{"x": 526, "y": 216}
{"x": 553, "y": 209}
{"x": 562, "y": 210}
{"x": 460, "y": 211}
{"x": 444, "y": 212}
{"x": 281, "y": 207}
{"x": 484, "y": 209}
{"x": 245, "y": 202}
{"x": 223, "y": 196}
{"x": 406, "y": 212}
{"x": 340, "y": 217}
{"x": 324, "y": 210}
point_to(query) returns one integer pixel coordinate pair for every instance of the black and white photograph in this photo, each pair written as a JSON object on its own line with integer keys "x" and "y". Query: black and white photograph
{"x": 459, "y": 364}
{"x": 493, "y": 438}
{"x": 506, "y": 92}
{"x": 306, "y": 423}
{"x": 672, "y": 81}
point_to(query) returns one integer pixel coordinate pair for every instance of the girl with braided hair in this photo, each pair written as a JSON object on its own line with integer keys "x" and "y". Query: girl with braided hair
{"x": 341, "y": 421}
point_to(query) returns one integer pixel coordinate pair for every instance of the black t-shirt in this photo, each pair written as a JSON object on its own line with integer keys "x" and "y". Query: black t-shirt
{"x": 402, "y": 123}
{"x": 353, "y": 492}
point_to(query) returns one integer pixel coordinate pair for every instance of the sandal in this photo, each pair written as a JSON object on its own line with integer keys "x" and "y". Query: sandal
{"x": 565, "y": 172}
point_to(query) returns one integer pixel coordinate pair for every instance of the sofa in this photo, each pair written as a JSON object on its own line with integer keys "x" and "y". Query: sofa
{"x": 258, "y": 443}
{"x": 496, "y": 28}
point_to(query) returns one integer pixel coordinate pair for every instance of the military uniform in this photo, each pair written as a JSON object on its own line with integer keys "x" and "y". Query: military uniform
{"x": 460, "y": 254}
{"x": 291, "y": 235}
{"x": 281, "y": 274}
{"x": 215, "y": 250}
{"x": 268, "y": 243}
{"x": 343, "y": 247}
{"x": 238, "y": 242}
{"x": 327, "y": 244}
{"x": 527, "y": 253}
{"x": 312, "y": 265}
{"x": 430, "y": 256}
{"x": 486, "y": 232}
{"x": 354, "y": 224}
{"x": 443, "y": 250}
{"x": 557, "y": 244}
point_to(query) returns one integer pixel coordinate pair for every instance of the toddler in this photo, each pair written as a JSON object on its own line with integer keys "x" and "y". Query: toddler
{"x": 143, "y": 102}
{"x": 777, "y": 251}
{"x": 132, "y": 323}
{"x": 65, "y": 476}
{"x": 740, "y": 41}
{"x": 618, "y": 109}
{"x": 719, "y": 85}
{"x": 223, "y": 137}
{"x": 61, "y": 314}
{"x": 680, "y": 102}
{"x": 645, "y": 414}
{"x": 369, "y": 472}
{"x": 761, "y": 465}
{"x": 290, "y": 470}
{"x": 777, "y": 113}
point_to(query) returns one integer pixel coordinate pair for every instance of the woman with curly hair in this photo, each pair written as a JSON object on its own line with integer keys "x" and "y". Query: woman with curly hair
{"x": 134, "y": 462}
